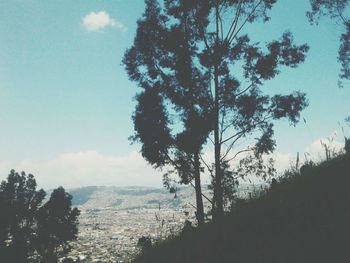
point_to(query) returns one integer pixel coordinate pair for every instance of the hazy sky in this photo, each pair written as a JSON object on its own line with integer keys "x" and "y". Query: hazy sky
{"x": 66, "y": 102}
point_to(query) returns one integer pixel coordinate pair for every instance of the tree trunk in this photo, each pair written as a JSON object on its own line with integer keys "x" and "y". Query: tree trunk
{"x": 218, "y": 209}
{"x": 218, "y": 193}
{"x": 198, "y": 188}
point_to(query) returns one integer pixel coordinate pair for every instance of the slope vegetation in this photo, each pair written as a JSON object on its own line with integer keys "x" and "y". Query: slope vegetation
{"x": 302, "y": 218}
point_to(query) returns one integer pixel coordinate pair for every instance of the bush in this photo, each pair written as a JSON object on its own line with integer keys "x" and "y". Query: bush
{"x": 347, "y": 145}
{"x": 145, "y": 243}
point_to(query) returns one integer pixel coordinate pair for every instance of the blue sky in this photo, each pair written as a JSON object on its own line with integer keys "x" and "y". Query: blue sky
{"x": 66, "y": 101}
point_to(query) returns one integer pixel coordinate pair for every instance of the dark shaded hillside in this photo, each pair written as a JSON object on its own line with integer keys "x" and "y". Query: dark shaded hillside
{"x": 303, "y": 218}
{"x": 82, "y": 195}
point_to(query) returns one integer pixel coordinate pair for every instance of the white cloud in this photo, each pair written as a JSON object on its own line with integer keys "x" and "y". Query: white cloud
{"x": 96, "y": 21}
{"x": 316, "y": 150}
{"x": 283, "y": 161}
{"x": 92, "y": 168}
{"x": 88, "y": 168}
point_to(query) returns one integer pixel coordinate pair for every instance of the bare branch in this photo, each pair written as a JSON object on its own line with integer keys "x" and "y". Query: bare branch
{"x": 192, "y": 205}
{"x": 245, "y": 21}
{"x": 227, "y": 126}
{"x": 217, "y": 21}
{"x": 172, "y": 162}
{"x": 231, "y": 146}
{"x": 239, "y": 152}
{"x": 210, "y": 201}
{"x": 252, "y": 126}
{"x": 177, "y": 167}
{"x": 208, "y": 167}
{"x": 221, "y": 26}
{"x": 340, "y": 13}
{"x": 211, "y": 140}
{"x": 247, "y": 88}
{"x": 235, "y": 21}
{"x": 233, "y": 136}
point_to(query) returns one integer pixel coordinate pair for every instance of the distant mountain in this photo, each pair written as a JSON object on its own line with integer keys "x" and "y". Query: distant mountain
{"x": 122, "y": 198}
{"x": 82, "y": 195}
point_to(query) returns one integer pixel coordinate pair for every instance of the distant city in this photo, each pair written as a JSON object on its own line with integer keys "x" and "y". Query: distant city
{"x": 114, "y": 218}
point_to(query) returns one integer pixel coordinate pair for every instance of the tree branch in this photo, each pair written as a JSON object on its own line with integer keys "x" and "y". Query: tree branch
{"x": 231, "y": 145}
{"x": 192, "y": 205}
{"x": 221, "y": 27}
{"x": 340, "y": 13}
{"x": 210, "y": 201}
{"x": 235, "y": 21}
{"x": 208, "y": 167}
{"x": 222, "y": 123}
{"x": 245, "y": 21}
{"x": 247, "y": 88}
{"x": 211, "y": 140}
{"x": 249, "y": 128}
{"x": 239, "y": 152}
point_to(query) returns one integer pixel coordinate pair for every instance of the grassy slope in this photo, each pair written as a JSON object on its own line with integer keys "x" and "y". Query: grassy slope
{"x": 301, "y": 219}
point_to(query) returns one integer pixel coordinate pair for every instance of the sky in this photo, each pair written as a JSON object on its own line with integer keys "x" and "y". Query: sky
{"x": 66, "y": 101}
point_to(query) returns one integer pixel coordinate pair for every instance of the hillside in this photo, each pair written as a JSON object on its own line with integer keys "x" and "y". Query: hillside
{"x": 129, "y": 198}
{"x": 133, "y": 197}
{"x": 302, "y": 218}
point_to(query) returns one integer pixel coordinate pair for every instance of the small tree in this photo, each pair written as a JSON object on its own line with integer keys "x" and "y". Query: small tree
{"x": 19, "y": 203}
{"x": 28, "y": 228}
{"x": 56, "y": 226}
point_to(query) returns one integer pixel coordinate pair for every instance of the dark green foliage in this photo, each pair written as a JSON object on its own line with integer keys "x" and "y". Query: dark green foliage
{"x": 347, "y": 145}
{"x": 201, "y": 75}
{"x": 145, "y": 243}
{"x": 344, "y": 52}
{"x": 70, "y": 260}
{"x": 29, "y": 229}
{"x": 56, "y": 225}
{"x": 151, "y": 123}
{"x": 302, "y": 218}
{"x": 347, "y": 120}
{"x": 19, "y": 203}
{"x": 338, "y": 11}
{"x": 172, "y": 117}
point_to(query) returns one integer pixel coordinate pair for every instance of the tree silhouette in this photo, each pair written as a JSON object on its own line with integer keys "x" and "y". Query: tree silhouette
{"x": 56, "y": 225}
{"x": 19, "y": 203}
{"x": 171, "y": 119}
{"x": 29, "y": 229}
{"x": 193, "y": 59}
{"x": 336, "y": 10}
